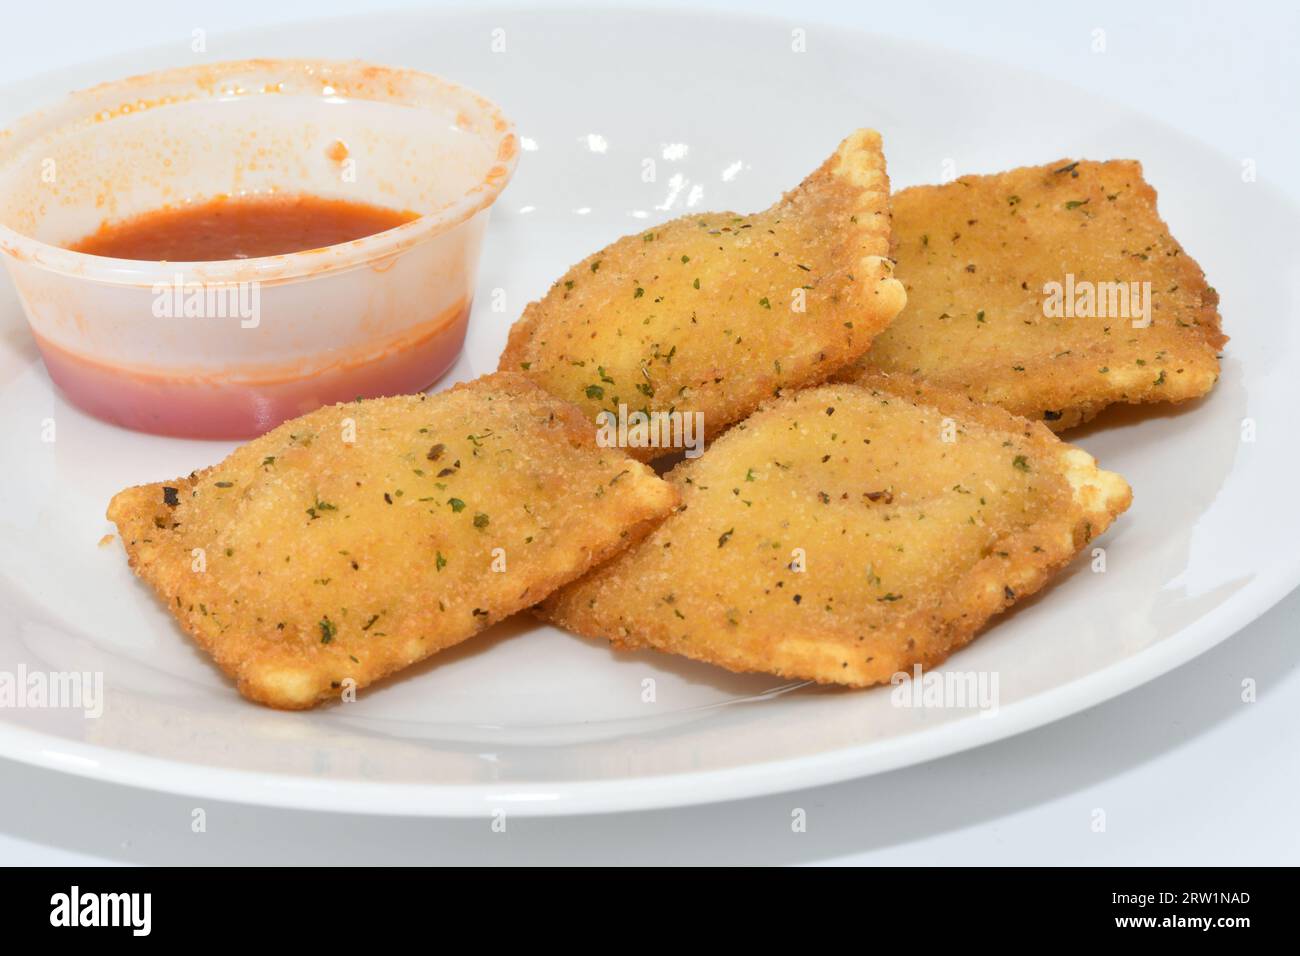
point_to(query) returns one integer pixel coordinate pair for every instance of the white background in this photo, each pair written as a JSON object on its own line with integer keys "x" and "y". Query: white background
{"x": 1184, "y": 771}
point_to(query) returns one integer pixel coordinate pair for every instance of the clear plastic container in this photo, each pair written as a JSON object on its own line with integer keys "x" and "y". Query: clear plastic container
{"x": 230, "y": 349}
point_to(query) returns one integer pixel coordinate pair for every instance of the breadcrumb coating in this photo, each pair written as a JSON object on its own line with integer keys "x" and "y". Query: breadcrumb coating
{"x": 847, "y": 532}
{"x": 714, "y": 313}
{"x": 978, "y": 257}
{"x": 350, "y": 543}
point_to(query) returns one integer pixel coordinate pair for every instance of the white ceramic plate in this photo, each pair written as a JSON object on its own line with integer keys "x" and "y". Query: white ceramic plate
{"x": 532, "y": 720}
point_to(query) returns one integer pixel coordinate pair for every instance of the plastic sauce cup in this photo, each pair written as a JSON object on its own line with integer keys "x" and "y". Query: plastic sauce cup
{"x": 230, "y": 349}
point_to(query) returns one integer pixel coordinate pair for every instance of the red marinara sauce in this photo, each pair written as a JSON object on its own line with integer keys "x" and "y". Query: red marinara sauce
{"x": 239, "y": 227}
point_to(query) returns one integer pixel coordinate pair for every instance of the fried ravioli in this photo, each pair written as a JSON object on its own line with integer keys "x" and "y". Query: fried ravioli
{"x": 1052, "y": 291}
{"x": 849, "y": 532}
{"x": 354, "y": 541}
{"x": 714, "y": 313}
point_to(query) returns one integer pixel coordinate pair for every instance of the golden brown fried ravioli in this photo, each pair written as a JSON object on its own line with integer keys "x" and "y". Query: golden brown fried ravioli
{"x": 848, "y": 532}
{"x": 1026, "y": 289}
{"x": 361, "y": 538}
{"x": 713, "y": 313}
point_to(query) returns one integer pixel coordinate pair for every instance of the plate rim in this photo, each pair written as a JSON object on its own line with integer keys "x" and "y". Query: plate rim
{"x": 657, "y": 792}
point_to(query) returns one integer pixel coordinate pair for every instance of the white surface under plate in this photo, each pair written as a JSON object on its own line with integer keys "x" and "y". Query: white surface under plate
{"x": 532, "y": 720}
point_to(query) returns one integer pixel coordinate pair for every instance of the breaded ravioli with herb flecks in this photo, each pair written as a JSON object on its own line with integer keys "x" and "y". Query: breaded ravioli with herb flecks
{"x": 363, "y": 537}
{"x": 1033, "y": 290}
{"x": 848, "y": 532}
{"x": 714, "y": 312}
